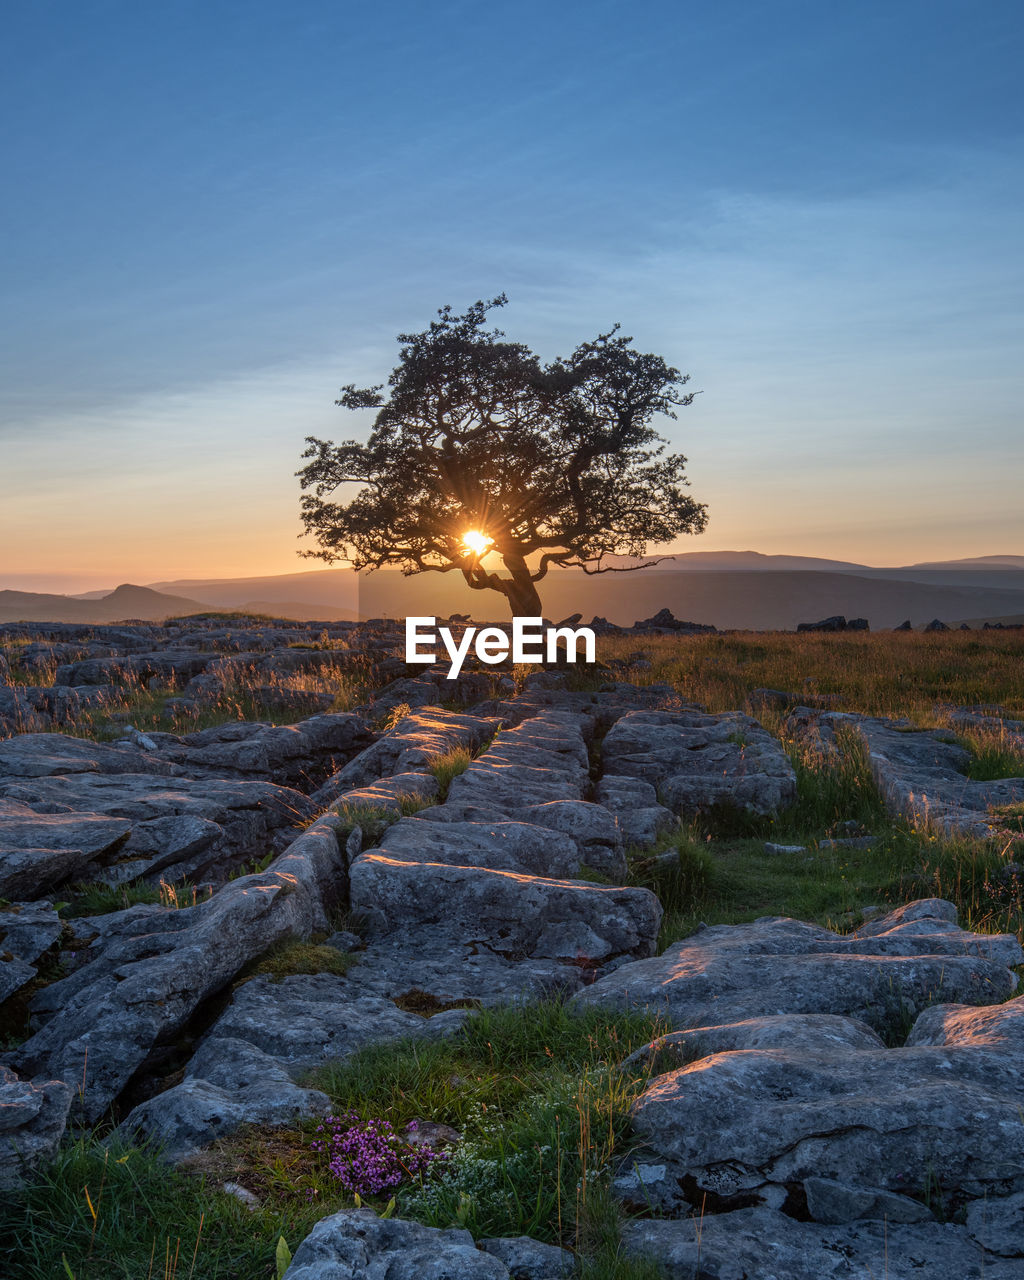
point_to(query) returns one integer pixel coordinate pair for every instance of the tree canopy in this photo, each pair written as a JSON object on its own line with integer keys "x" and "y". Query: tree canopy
{"x": 479, "y": 453}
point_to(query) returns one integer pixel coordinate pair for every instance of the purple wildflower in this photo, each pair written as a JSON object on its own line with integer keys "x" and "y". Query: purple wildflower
{"x": 366, "y": 1156}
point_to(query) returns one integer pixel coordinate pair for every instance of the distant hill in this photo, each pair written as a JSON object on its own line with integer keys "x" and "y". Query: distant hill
{"x": 731, "y": 599}
{"x": 731, "y": 589}
{"x": 989, "y": 562}
{"x": 328, "y": 594}
{"x": 126, "y": 601}
{"x": 750, "y": 560}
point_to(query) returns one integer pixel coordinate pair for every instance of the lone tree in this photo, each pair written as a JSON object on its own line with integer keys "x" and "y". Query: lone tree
{"x": 480, "y": 453}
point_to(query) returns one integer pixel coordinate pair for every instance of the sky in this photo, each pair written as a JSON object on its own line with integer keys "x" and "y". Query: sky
{"x": 217, "y": 214}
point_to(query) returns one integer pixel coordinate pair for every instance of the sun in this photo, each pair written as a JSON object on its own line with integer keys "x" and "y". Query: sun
{"x": 476, "y": 543}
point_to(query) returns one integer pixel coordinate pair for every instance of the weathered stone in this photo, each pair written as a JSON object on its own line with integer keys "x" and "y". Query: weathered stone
{"x": 27, "y": 929}
{"x": 635, "y": 805}
{"x": 46, "y": 755}
{"x": 516, "y": 914}
{"x": 226, "y": 1085}
{"x": 248, "y": 813}
{"x": 179, "y": 841}
{"x": 594, "y": 828}
{"x": 500, "y": 846}
{"x": 144, "y": 986}
{"x": 14, "y": 974}
{"x": 545, "y": 758}
{"x": 762, "y": 1244}
{"x": 416, "y": 740}
{"x": 305, "y": 1020}
{"x": 529, "y": 1259}
{"x": 389, "y": 793}
{"x": 701, "y": 761}
{"x": 39, "y": 850}
{"x": 357, "y": 1245}
{"x": 33, "y": 1116}
{"x": 292, "y": 754}
{"x": 759, "y": 1121}
{"x": 998, "y": 1225}
{"x": 835, "y": 1202}
{"x": 898, "y": 964}
{"x": 792, "y": 1032}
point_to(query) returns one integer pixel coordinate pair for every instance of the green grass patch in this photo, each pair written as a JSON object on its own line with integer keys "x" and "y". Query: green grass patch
{"x": 285, "y": 959}
{"x": 531, "y": 1089}
{"x": 95, "y": 899}
{"x": 109, "y": 1211}
{"x": 448, "y": 766}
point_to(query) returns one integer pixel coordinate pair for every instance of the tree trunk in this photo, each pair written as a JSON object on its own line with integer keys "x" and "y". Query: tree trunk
{"x": 522, "y": 594}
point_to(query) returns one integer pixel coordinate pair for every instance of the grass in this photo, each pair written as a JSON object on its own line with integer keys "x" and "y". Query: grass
{"x": 447, "y": 767}
{"x": 248, "y": 694}
{"x": 374, "y": 820}
{"x": 94, "y": 898}
{"x": 723, "y": 874}
{"x": 995, "y": 754}
{"x": 532, "y": 1091}
{"x": 888, "y": 673}
{"x": 531, "y": 1088}
{"x": 287, "y": 958}
{"x": 110, "y": 1211}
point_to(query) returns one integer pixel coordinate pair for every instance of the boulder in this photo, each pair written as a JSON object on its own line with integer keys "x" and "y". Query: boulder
{"x": 234, "y": 1084}
{"x": 40, "y": 850}
{"x": 699, "y": 761}
{"x": 529, "y": 1259}
{"x": 517, "y": 915}
{"x": 499, "y": 846}
{"x": 33, "y": 1116}
{"x": 146, "y": 982}
{"x": 893, "y": 967}
{"x": 357, "y": 1245}
{"x": 763, "y": 1244}
{"x": 857, "y": 1124}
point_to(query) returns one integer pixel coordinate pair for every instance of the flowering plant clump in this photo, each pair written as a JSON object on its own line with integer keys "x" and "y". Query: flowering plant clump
{"x": 367, "y": 1156}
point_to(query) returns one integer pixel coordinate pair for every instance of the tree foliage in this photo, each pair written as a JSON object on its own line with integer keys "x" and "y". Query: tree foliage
{"x": 557, "y": 464}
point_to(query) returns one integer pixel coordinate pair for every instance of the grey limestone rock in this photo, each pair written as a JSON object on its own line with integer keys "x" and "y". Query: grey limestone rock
{"x": 763, "y": 1244}
{"x": 515, "y": 914}
{"x": 529, "y": 1259}
{"x": 33, "y": 1115}
{"x": 39, "y": 850}
{"x": 357, "y": 1245}
{"x": 700, "y": 761}
{"x": 144, "y": 984}
{"x": 900, "y": 964}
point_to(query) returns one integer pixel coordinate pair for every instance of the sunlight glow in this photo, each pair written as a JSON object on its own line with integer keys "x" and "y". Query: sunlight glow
{"x": 476, "y": 543}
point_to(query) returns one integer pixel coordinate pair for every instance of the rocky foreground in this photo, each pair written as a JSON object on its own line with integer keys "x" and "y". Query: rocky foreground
{"x": 782, "y": 1137}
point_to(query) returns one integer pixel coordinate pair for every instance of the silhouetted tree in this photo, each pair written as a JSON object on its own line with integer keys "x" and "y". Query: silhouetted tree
{"x": 539, "y": 465}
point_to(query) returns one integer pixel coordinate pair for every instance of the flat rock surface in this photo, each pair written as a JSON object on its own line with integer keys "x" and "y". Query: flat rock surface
{"x": 699, "y": 761}
{"x": 762, "y": 1244}
{"x": 357, "y": 1245}
{"x": 729, "y": 973}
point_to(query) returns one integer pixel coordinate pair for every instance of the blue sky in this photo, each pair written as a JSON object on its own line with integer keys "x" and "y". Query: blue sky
{"x": 216, "y": 214}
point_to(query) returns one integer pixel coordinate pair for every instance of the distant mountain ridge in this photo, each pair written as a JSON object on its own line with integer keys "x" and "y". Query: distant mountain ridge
{"x": 730, "y": 589}
{"x": 125, "y": 601}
